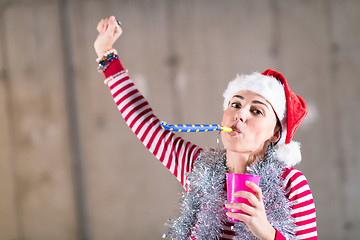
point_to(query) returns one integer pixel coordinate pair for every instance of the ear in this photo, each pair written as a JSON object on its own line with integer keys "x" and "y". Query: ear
{"x": 276, "y": 135}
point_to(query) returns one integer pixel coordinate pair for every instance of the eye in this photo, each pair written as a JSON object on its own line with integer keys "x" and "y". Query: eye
{"x": 235, "y": 105}
{"x": 257, "y": 112}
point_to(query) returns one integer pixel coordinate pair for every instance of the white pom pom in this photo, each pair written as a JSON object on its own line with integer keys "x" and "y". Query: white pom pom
{"x": 289, "y": 154}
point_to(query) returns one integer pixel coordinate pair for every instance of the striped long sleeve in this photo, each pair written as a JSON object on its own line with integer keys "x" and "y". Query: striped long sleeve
{"x": 178, "y": 155}
{"x": 173, "y": 152}
{"x": 298, "y": 192}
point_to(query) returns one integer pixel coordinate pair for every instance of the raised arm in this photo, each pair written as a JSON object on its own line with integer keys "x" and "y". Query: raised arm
{"x": 174, "y": 153}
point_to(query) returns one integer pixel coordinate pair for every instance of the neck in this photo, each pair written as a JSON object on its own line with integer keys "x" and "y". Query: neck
{"x": 236, "y": 162}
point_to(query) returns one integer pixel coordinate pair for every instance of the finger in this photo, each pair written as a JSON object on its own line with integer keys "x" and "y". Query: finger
{"x": 239, "y": 216}
{"x": 118, "y": 31}
{"x": 100, "y": 27}
{"x": 111, "y": 25}
{"x": 241, "y": 206}
{"x": 105, "y": 25}
{"x": 254, "y": 201}
{"x": 256, "y": 189}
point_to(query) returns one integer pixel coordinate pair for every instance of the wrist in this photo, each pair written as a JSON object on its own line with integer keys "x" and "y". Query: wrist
{"x": 271, "y": 233}
{"x": 101, "y": 48}
{"x": 105, "y": 59}
{"x": 100, "y": 52}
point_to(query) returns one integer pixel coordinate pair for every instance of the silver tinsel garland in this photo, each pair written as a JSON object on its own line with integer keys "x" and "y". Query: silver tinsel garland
{"x": 202, "y": 208}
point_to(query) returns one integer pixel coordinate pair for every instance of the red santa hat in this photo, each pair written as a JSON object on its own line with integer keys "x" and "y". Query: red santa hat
{"x": 289, "y": 108}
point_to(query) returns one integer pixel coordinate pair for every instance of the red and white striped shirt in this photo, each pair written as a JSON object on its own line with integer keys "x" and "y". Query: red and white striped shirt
{"x": 178, "y": 155}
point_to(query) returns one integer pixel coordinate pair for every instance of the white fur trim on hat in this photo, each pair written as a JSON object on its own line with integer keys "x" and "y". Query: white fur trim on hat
{"x": 289, "y": 154}
{"x": 267, "y": 86}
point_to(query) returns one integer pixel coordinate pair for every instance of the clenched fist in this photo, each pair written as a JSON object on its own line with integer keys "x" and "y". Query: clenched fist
{"x": 109, "y": 31}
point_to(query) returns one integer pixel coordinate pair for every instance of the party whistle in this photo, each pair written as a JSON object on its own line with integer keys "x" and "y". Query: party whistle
{"x": 194, "y": 127}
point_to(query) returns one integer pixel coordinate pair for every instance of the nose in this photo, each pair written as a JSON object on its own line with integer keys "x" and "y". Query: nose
{"x": 240, "y": 115}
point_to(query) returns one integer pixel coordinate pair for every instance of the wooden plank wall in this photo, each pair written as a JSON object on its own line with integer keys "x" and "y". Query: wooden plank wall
{"x": 71, "y": 169}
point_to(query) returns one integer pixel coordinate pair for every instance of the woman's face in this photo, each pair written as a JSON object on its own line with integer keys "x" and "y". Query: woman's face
{"x": 253, "y": 121}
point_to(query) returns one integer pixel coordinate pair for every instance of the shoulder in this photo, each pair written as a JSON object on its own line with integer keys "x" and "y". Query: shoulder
{"x": 295, "y": 183}
{"x": 292, "y": 174}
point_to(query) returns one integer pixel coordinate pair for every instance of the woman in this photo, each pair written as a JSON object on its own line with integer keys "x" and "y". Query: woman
{"x": 264, "y": 114}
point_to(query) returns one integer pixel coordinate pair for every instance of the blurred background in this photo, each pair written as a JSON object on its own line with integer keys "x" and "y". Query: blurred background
{"x": 71, "y": 169}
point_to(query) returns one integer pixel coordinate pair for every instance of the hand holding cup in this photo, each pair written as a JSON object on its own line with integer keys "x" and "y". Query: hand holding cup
{"x": 236, "y": 183}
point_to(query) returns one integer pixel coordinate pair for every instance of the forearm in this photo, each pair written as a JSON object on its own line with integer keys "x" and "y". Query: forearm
{"x": 174, "y": 153}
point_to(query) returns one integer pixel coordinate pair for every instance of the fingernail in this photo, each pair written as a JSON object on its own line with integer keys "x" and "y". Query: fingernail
{"x": 112, "y": 18}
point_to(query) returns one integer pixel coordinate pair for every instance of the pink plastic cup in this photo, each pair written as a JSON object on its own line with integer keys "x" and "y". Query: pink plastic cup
{"x": 236, "y": 182}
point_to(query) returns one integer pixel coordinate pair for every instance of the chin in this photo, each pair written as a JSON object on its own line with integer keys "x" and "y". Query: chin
{"x": 240, "y": 147}
{"x": 234, "y": 147}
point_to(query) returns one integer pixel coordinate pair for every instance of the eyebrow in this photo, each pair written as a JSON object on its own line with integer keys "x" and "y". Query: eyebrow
{"x": 254, "y": 101}
{"x": 238, "y": 96}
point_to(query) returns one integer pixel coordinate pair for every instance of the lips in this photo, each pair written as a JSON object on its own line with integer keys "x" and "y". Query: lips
{"x": 233, "y": 133}
{"x": 236, "y": 131}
